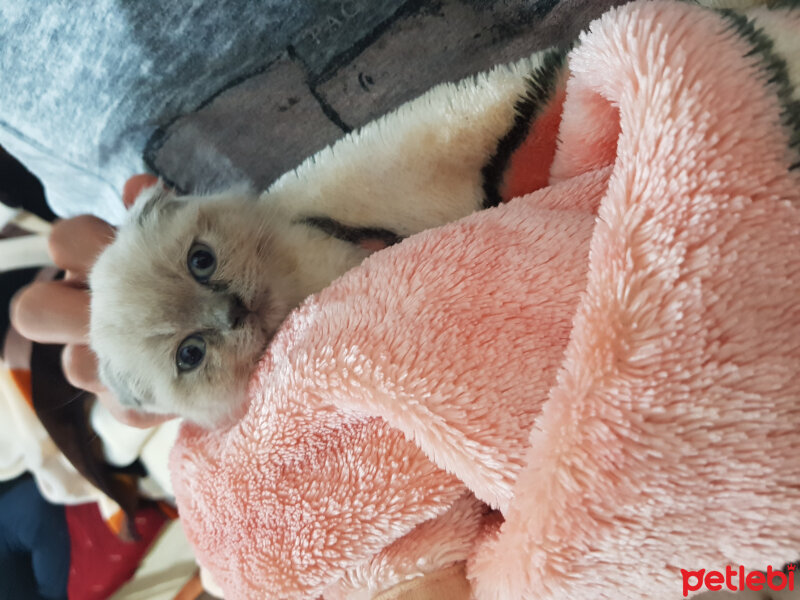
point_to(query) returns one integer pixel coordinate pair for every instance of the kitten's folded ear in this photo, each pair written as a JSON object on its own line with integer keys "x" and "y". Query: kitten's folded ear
{"x": 153, "y": 201}
{"x": 134, "y": 187}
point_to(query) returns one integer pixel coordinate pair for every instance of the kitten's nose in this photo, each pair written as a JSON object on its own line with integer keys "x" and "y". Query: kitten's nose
{"x": 237, "y": 312}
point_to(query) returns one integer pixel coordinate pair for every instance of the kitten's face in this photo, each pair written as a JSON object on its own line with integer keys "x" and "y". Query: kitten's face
{"x": 184, "y": 302}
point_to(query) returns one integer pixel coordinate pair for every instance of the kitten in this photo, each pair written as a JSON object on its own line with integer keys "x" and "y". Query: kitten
{"x": 189, "y": 294}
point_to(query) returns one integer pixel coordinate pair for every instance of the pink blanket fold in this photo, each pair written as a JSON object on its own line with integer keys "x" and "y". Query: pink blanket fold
{"x": 611, "y": 362}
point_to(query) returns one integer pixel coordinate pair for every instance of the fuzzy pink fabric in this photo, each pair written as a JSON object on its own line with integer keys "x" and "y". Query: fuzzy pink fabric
{"x": 624, "y": 389}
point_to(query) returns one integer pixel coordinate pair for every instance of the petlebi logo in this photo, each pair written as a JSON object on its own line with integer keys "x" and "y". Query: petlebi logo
{"x": 738, "y": 579}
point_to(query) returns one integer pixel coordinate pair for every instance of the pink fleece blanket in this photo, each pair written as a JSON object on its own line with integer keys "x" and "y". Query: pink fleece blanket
{"x": 611, "y": 362}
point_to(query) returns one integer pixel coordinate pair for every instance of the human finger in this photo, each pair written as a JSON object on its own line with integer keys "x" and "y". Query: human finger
{"x": 51, "y": 312}
{"x": 75, "y": 243}
{"x": 80, "y": 368}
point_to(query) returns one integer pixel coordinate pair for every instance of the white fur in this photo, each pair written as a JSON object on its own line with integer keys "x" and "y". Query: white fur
{"x": 418, "y": 166}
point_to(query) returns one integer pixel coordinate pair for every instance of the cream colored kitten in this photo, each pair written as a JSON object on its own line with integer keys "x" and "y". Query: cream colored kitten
{"x": 187, "y": 297}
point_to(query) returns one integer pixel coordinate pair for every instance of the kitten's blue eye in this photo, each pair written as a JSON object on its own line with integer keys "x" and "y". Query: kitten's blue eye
{"x": 190, "y": 353}
{"x": 201, "y": 262}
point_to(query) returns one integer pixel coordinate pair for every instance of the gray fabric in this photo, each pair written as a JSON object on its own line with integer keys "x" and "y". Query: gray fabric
{"x": 209, "y": 93}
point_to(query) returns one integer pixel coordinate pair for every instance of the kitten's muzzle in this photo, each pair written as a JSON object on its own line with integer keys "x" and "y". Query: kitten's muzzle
{"x": 237, "y": 312}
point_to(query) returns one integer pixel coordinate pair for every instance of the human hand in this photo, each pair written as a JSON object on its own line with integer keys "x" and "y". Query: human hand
{"x": 57, "y": 312}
